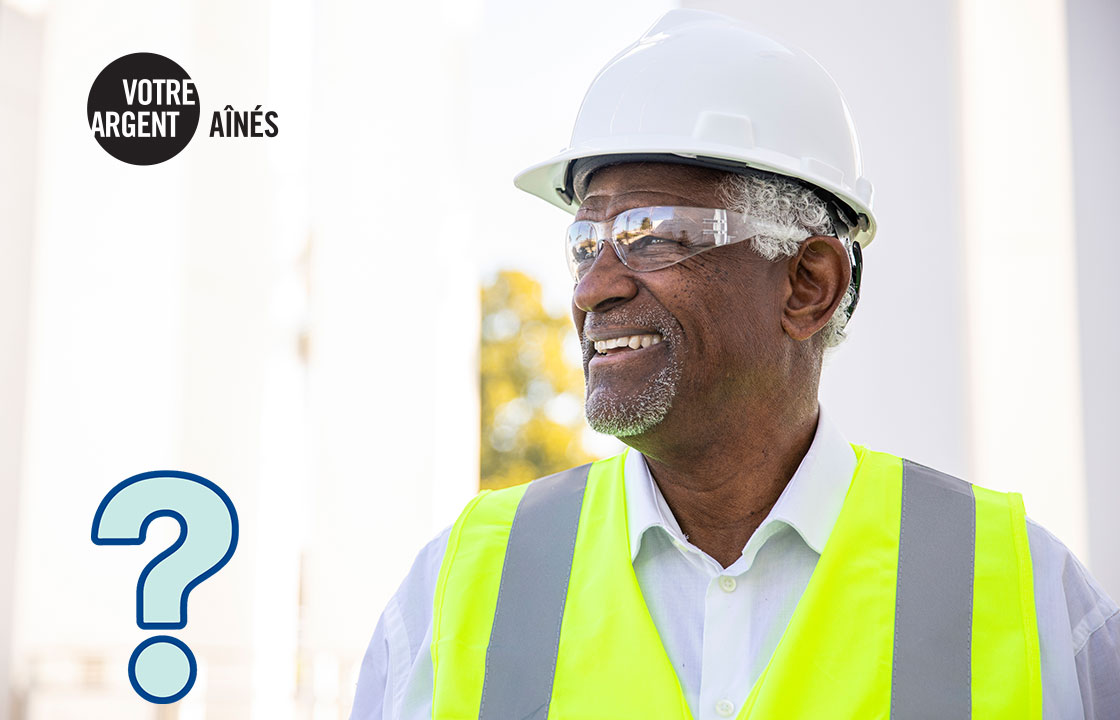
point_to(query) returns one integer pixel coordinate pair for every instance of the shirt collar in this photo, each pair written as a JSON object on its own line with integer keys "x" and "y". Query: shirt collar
{"x": 809, "y": 504}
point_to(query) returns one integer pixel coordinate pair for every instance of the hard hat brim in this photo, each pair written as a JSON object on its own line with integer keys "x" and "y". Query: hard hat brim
{"x": 553, "y": 180}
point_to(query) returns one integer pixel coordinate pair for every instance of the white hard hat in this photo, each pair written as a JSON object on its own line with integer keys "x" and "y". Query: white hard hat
{"x": 703, "y": 89}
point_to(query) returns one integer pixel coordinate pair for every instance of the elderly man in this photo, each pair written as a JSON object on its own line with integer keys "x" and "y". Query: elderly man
{"x": 741, "y": 559}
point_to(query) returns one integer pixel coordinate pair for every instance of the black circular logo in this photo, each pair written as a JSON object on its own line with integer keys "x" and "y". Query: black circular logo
{"x": 143, "y": 109}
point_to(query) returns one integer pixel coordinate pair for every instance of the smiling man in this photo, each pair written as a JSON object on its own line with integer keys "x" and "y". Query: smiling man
{"x": 716, "y": 380}
{"x": 741, "y": 558}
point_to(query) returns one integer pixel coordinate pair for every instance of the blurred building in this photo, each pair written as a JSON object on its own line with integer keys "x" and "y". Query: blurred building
{"x": 293, "y": 318}
{"x": 296, "y": 318}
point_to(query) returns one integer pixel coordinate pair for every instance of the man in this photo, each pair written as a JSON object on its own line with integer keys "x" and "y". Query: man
{"x": 741, "y": 559}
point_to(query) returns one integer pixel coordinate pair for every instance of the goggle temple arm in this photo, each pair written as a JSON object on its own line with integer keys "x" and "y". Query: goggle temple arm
{"x": 843, "y": 227}
{"x": 857, "y": 274}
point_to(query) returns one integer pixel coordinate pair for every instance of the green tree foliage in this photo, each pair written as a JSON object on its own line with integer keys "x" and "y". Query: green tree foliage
{"x": 531, "y": 391}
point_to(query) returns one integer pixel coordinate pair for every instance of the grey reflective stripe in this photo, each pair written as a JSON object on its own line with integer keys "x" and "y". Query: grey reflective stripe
{"x": 525, "y": 637}
{"x": 932, "y": 668}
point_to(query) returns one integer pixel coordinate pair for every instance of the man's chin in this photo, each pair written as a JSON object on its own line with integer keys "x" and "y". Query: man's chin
{"x": 629, "y": 415}
{"x": 619, "y": 428}
{"x": 630, "y": 404}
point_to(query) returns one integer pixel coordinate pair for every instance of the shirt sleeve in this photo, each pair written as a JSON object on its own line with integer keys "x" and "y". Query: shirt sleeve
{"x": 399, "y": 652}
{"x": 1079, "y": 634}
{"x": 1098, "y": 669}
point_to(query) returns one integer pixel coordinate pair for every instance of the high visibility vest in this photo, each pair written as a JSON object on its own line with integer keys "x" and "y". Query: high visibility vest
{"x": 921, "y": 606}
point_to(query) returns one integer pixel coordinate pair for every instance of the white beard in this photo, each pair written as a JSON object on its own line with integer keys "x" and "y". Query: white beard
{"x": 623, "y": 416}
{"x": 620, "y": 415}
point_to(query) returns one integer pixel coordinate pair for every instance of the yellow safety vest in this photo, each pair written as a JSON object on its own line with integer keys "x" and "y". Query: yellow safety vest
{"x": 921, "y": 606}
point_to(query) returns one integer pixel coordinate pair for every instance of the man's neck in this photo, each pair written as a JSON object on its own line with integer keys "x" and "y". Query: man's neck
{"x": 721, "y": 489}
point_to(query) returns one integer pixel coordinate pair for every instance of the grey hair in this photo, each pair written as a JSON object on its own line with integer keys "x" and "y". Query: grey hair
{"x": 789, "y": 213}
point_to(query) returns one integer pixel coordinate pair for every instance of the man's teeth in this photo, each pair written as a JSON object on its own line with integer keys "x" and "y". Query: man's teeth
{"x": 631, "y": 341}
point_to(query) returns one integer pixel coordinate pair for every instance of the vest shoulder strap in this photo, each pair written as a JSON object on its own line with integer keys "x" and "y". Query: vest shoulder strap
{"x": 933, "y": 599}
{"x": 525, "y": 636}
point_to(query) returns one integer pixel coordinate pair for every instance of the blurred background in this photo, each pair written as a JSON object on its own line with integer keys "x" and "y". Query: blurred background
{"x": 350, "y": 326}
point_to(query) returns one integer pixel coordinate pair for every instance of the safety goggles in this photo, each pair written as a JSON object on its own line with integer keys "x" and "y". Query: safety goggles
{"x": 652, "y": 238}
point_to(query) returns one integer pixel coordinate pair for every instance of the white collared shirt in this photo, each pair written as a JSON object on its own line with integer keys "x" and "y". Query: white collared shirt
{"x": 720, "y": 626}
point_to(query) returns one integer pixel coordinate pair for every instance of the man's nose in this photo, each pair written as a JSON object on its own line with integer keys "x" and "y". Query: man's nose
{"x": 606, "y": 284}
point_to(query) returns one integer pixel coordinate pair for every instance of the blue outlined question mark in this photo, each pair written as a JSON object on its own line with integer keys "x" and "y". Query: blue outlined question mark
{"x": 162, "y": 669}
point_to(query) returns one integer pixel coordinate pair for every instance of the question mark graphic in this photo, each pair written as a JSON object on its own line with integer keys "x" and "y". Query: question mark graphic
{"x": 162, "y": 669}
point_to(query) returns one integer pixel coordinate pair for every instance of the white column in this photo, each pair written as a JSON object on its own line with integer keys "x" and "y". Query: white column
{"x": 393, "y": 332}
{"x": 21, "y": 48}
{"x": 1024, "y": 365}
{"x": 104, "y": 367}
{"x": 1094, "y": 56}
{"x": 245, "y": 416}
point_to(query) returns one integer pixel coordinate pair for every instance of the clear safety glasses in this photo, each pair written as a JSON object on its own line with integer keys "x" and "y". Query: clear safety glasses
{"x": 652, "y": 238}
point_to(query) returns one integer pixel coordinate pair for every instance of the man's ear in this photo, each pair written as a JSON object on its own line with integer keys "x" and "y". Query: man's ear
{"x": 817, "y": 277}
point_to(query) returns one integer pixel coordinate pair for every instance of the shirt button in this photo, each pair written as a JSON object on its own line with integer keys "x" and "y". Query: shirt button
{"x": 727, "y": 582}
{"x": 725, "y": 708}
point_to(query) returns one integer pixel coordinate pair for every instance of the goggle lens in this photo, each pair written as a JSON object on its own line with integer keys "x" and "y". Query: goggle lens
{"x": 653, "y": 238}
